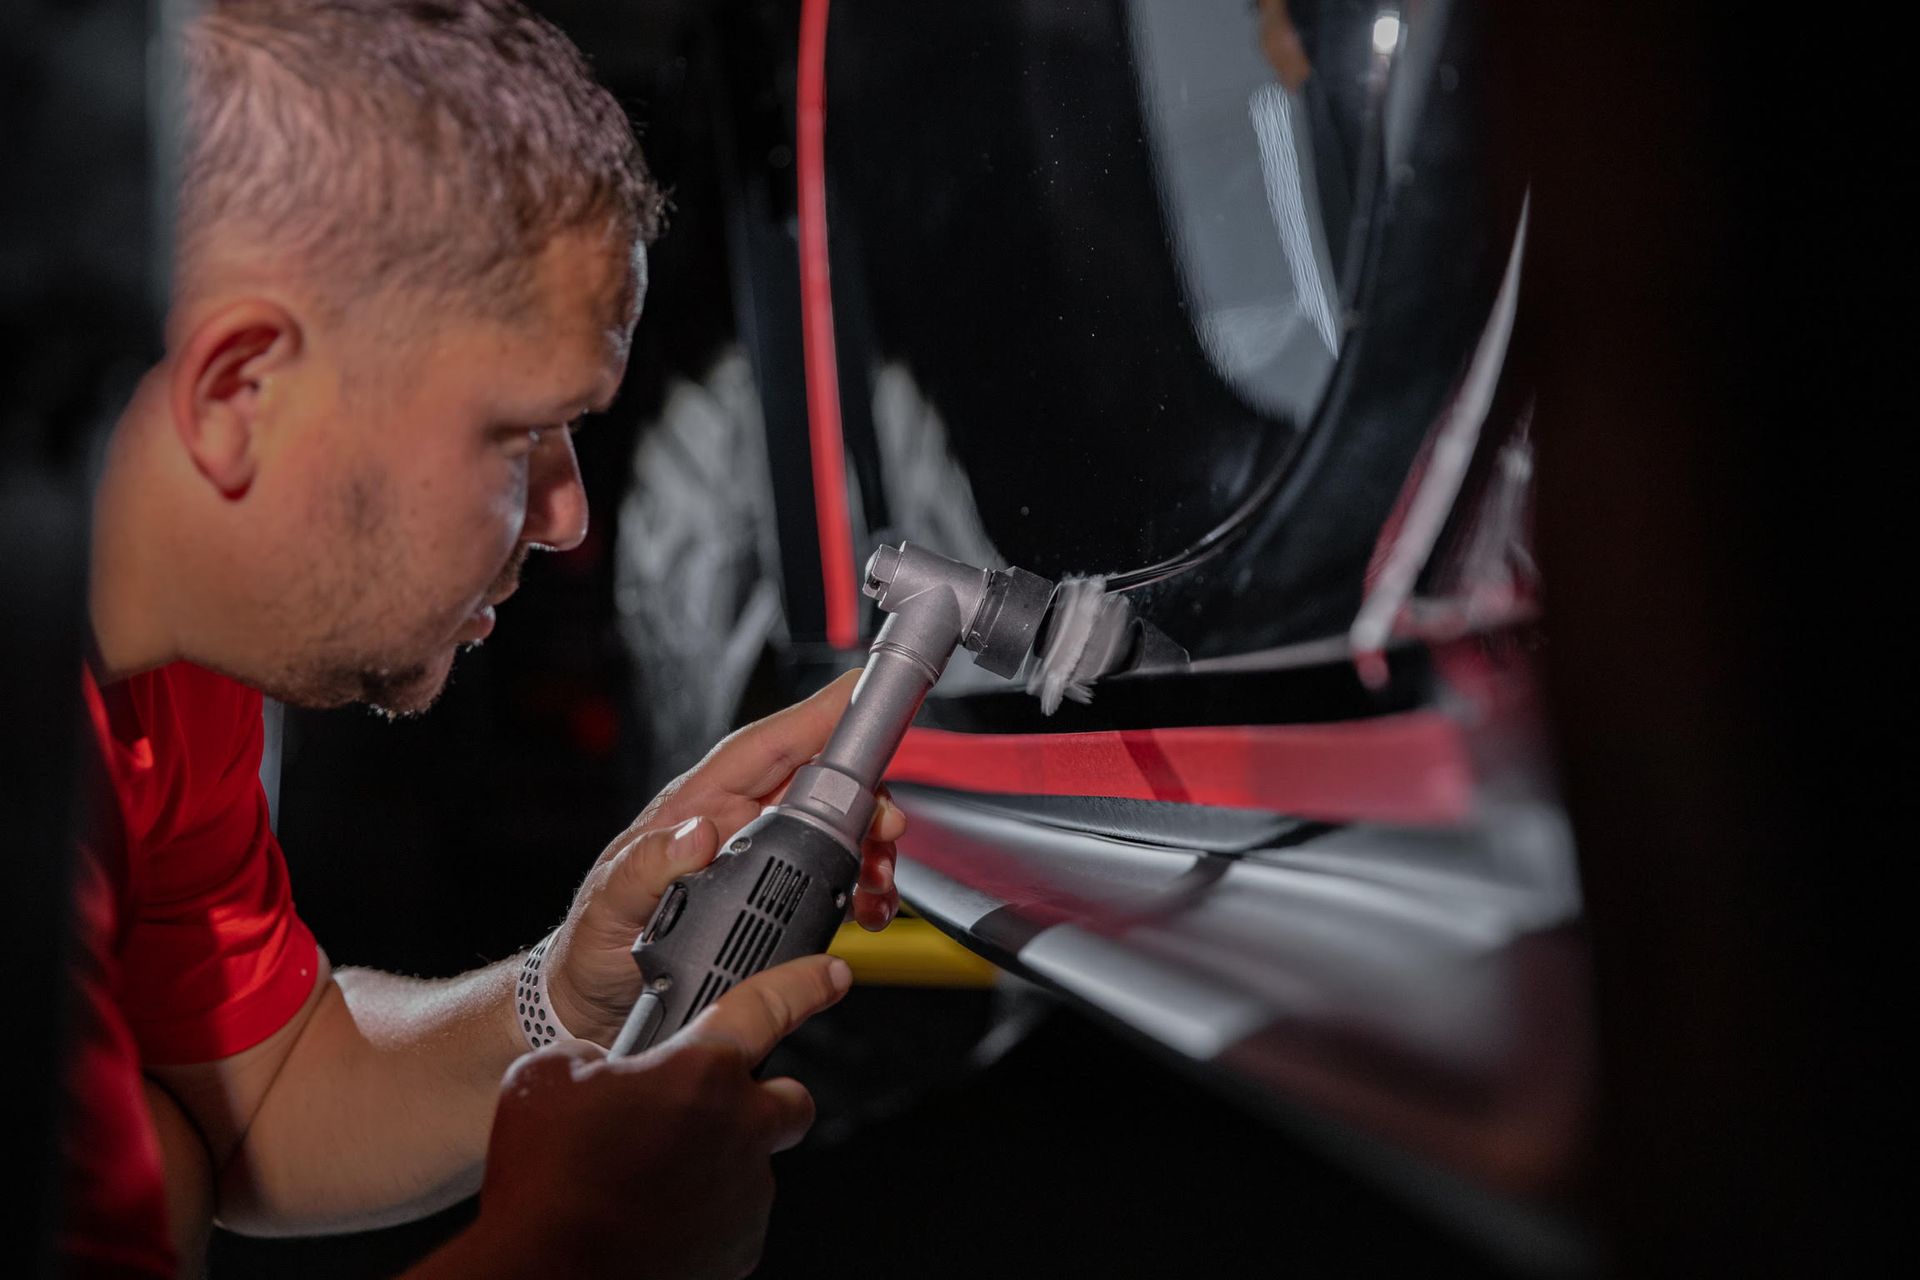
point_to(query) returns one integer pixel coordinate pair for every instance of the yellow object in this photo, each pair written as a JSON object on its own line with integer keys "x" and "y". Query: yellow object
{"x": 909, "y": 953}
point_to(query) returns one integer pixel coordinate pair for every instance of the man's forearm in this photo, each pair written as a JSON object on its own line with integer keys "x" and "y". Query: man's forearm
{"x": 381, "y": 1111}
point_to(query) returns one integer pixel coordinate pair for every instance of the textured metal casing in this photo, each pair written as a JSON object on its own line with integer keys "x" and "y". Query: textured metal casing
{"x": 777, "y": 891}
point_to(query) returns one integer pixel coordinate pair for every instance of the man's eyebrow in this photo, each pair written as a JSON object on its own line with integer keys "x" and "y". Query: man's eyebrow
{"x": 597, "y": 398}
{"x": 601, "y": 398}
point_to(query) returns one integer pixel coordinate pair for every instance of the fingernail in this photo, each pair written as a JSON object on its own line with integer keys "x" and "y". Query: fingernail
{"x": 839, "y": 973}
{"x": 683, "y": 834}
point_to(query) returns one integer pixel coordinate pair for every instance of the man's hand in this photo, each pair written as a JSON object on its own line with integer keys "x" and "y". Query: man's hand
{"x": 654, "y": 1165}
{"x": 592, "y": 978}
{"x": 372, "y": 1104}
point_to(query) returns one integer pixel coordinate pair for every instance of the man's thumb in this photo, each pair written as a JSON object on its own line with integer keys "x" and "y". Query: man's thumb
{"x": 657, "y": 859}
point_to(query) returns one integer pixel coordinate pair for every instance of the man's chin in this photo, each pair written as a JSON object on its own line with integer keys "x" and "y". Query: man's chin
{"x": 396, "y": 692}
{"x": 400, "y": 693}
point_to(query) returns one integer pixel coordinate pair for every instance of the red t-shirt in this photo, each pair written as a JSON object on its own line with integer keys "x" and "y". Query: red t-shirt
{"x": 187, "y": 948}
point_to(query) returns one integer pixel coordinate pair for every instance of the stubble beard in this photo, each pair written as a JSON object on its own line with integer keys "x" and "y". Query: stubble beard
{"x": 367, "y": 597}
{"x": 400, "y": 689}
{"x": 392, "y": 688}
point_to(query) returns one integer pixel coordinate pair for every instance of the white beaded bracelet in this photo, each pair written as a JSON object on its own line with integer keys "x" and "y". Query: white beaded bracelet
{"x": 538, "y": 1022}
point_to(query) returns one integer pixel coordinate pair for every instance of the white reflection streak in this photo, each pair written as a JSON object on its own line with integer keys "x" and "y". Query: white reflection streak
{"x": 1454, "y": 439}
{"x": 1280, "y": 167}
{"x": 1386, "y": 34}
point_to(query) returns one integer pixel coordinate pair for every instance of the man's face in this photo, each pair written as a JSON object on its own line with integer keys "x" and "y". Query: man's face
{"x": 443, "y": 460}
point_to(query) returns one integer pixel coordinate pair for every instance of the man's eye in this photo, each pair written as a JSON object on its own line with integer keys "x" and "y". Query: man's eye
{"x": 522, "y": 440}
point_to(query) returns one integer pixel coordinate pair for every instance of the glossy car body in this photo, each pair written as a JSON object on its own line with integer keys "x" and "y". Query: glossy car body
{"x": 1218, "y": 299}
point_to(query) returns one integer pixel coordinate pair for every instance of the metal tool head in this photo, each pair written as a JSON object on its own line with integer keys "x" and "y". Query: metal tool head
{"x": 1078, "y": 632}
{"x": 1000, "y": 609}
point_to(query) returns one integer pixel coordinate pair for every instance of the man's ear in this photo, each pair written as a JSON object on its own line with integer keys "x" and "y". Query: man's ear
{"x": 218, "y": 386}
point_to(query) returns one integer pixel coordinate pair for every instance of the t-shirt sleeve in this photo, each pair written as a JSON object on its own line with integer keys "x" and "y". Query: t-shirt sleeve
{"x": 215, "y": 959}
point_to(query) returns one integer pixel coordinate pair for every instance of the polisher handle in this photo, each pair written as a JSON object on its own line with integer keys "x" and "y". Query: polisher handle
{"x": 777, "y": 891}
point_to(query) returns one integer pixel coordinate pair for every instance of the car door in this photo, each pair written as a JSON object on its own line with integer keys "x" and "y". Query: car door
{"x": 1217, "y": 303}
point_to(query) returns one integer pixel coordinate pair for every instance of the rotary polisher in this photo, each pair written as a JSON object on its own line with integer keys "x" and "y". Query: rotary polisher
{"x": 780, "y": 887}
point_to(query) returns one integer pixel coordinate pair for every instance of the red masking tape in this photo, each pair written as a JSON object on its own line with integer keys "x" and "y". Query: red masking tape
{"x": 1410, "y": 768}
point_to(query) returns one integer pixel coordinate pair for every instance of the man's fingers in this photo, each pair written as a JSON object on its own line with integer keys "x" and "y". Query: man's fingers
{"x": 889, "y": 823}
{"x": 875, "y": 899}
{"x": 656, "y": 859}
{"x": 768, "y": 1007}
{"x": 791, "y": 1110}
{"x": 754, "y": 760}
{"x": 530, "y": 1072}
{"x": 730, "y": 813}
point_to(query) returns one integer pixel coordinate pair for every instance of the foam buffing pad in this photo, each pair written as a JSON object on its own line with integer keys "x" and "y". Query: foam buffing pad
{"x": 1086, "y": 636}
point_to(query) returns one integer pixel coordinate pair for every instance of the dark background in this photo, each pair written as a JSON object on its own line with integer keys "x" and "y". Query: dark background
{"x": 1725, "y": 348}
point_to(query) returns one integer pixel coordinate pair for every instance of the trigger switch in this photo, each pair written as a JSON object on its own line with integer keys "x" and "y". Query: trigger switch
{"x": 667, "y": 913}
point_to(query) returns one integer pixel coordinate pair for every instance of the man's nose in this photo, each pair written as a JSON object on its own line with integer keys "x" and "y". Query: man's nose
{"x": 556, "y": 496}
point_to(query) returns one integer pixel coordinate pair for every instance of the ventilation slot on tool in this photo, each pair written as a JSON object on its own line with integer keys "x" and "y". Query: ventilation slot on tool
{"x": 712, "y": 989}
{"x": 756, "y": 931}
{"x": 748, "y": 944}
{"x": 780, "y": 889}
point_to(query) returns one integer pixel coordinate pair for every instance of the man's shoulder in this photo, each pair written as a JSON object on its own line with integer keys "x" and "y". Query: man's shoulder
{"x": 189, "y": 726}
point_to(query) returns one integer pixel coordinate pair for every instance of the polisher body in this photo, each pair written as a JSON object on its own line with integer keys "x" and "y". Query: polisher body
{"x": 780, "y": 887}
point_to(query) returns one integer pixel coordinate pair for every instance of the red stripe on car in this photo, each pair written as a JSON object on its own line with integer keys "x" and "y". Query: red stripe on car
{"x": 1410, "y": 768}
{"x": 816, "y": 335}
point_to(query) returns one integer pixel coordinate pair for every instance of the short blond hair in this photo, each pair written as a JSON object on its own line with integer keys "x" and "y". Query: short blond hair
{"x": 435, "y": 145}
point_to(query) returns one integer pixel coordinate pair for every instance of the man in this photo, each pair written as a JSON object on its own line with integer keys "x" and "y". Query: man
{"x": 410, "y": 254}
